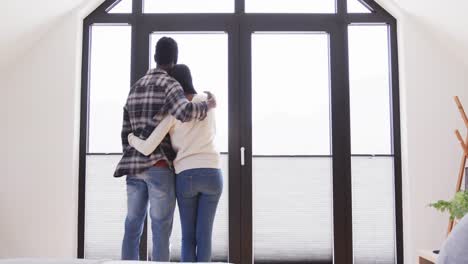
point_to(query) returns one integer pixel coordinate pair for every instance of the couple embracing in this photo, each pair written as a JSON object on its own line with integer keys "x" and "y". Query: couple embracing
{"x": 169, "y": 153}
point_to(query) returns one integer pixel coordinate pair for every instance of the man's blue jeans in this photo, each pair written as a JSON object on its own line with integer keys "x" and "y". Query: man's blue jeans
{"x": 155, "y": 185}
{"x": 198, "y": 192}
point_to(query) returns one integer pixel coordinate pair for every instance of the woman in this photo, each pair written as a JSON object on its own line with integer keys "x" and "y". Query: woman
{"x": 198, "y": 176}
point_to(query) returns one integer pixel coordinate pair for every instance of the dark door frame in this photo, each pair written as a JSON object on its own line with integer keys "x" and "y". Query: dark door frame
{"x": 239, "y": 26}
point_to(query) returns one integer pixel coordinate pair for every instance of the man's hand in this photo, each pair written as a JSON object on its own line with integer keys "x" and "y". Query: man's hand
{"x": 211, "y": 101}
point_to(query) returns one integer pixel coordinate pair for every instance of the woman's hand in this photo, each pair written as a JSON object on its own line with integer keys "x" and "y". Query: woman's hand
{"x": 131, "y": 138}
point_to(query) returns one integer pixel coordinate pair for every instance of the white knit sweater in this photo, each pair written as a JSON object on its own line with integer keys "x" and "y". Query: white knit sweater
{"x": 193, "y": 141}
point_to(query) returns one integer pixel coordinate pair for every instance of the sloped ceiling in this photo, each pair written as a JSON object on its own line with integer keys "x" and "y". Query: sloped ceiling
{"x": 23, "y": 22}
{"x": 447, "y": 20}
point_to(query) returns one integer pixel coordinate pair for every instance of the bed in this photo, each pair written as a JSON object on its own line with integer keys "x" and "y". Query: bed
{"x": 71, "y": 261}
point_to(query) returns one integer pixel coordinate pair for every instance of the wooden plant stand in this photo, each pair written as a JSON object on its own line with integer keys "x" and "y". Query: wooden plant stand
{"x": 464, "y": 145}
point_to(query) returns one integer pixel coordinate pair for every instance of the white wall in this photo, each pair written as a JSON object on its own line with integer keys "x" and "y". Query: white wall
{"x": 430, "y": 76}
{"x": 3, "y": 150}
{"x": 38, "y": 191}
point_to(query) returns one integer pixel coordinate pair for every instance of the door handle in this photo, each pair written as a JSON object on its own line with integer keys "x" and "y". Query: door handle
{"x": 242, "y": 150}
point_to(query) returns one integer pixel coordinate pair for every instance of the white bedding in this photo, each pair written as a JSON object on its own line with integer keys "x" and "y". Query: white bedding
{"x": 71, "y": 261}
{"x": 49, "y": 261}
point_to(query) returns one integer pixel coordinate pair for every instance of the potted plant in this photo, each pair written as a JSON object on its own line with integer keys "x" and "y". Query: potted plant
{"x": 457, "y": 207}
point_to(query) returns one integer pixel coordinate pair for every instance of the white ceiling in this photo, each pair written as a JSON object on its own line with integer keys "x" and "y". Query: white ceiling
{"x": 447, "y": 20}
{"x": 23, "y": 22}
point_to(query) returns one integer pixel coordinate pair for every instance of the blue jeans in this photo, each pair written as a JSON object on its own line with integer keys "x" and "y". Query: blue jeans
{"x": 155, "y": 185}
{"x": 198, "y": 192}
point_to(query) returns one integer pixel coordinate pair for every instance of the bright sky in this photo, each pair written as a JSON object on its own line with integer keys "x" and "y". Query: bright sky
{"x": 291, "y": 106}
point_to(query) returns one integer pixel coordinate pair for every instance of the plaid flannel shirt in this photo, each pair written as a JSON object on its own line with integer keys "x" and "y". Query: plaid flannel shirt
{"x": 151, "y": 98}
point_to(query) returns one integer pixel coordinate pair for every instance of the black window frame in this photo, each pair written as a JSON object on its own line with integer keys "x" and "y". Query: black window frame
{"x": 239, "y": 25}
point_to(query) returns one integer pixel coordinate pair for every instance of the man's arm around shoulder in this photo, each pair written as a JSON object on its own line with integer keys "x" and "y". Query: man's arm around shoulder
{"x": 184, "y": 110}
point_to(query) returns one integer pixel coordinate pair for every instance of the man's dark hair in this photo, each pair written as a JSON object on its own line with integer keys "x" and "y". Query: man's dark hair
{"x": 166, "y": 51}
{"x": 181, "y": 73}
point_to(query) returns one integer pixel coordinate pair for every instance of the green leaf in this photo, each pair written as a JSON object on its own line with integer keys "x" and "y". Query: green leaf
{"x": 457, "y": 207}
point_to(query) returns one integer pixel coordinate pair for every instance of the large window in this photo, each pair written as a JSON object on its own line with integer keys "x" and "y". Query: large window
{"x": 307, "y": 125}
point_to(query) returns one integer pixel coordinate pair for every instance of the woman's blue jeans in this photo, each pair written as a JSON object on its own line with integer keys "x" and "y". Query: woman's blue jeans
{"x": 198, "y": 192}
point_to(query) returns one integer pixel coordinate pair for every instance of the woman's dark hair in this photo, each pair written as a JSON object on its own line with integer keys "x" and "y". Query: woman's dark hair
{"x": 182, "y": 74}
{"x": 167, "y": 51}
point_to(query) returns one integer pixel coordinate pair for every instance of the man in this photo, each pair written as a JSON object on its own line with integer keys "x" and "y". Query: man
{"x": 150, "y": 178}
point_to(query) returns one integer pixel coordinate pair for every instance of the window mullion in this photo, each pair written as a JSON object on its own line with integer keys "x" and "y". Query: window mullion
{"x": 395, "y": 96}
{"x": 239, "y": 6}
{"x": 341, "y": 7}
{"x": 341, "y": 146}
{"x": 84, "y": 124}
{"x": 137, "y": 7}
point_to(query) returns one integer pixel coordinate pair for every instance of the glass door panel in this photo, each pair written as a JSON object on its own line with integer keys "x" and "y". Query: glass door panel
{"x": 206, "y": 54}
{"x": 109, "y": 83}
{"x": 369, "y": 87}
{"x": 373, "y": 188}
{"x": 291, "y": 163}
